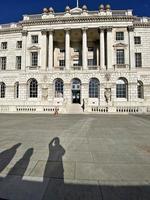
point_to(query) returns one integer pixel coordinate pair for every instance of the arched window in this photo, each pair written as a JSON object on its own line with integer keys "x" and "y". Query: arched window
{"x": 16, "y": 90}
{"x": 94, "y": 88}
{"x": 122, "y": 88}
{"x": 2, "y": 90}
{"x": 33, "y": 88}
{"x": 59, "y": 88}
{"x": 140, "y": 90}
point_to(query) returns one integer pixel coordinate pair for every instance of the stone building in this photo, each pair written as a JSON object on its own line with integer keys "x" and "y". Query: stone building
{"x": 63, "y": 60}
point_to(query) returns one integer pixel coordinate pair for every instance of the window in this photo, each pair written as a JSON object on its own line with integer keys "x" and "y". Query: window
{"x": 61, "y": 63}
{"x": 140, "y": 90}
{"x": 16, "y": 90}
{"x": 59, "y": 87}
{"x": 4, "y": 45}
{"x": 3, "y": 61}
{"x": 34, "y": 39}
{"x": 137, "y": 40}
{"x": 62, "y": 50}
{"x": 34, "y": 59}
{"x": 90, "y": 49}
{"x": 121, "y": 88}
{"x": 119, "y": 35}
{"x": 33, "y": 88}
{"x": 2, "y": 90}
{"x": 19, "y": 45}
{"x": 94, "y": 88}
{"x": 120, "y": 56}
{"x": 138, "y": 60}
{"x": 91, "y": 62}
{"x": 76, "y": 50}
{"x": 18, "y": 62}
{"x": 76, "y": 62}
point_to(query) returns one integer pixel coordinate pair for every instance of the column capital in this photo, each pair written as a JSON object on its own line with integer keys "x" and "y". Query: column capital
{"x": 24, "y": 33}
{"x": 67, "y": 30}
{"x": 101, "y": 29}
{"x": 109, "y": 28}
{"x": 51, "y": 31}
{"x": 44, "y": 31}
{"x": 130, "y": 28}
{"x": 84, "y": 29}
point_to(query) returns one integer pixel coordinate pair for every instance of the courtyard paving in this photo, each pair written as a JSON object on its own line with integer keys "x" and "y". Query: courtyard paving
{"x": 74, "y": 157}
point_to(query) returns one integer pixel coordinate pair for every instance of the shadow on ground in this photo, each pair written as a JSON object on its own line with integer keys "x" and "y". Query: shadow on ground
{"x": 16, "y": 186}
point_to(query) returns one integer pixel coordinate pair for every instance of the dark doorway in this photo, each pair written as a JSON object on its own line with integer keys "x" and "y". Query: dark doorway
{"x": 76, "y": 91}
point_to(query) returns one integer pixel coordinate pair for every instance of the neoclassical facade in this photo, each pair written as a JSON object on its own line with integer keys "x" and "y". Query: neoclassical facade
{"x": 99, "y": 59}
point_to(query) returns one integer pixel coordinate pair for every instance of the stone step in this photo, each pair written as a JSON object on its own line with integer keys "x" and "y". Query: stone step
{"x": 75, "y": 109}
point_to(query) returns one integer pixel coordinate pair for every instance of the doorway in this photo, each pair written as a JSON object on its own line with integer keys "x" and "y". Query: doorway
{"x": 76, "y": 91}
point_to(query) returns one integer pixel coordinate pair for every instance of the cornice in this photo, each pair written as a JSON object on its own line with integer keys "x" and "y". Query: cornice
{"x": 79, "y": 19}
{"x": 10, "y": 30}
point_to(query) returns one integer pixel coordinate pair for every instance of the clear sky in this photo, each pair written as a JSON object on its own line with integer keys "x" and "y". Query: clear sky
{"x": 12, "y": 10}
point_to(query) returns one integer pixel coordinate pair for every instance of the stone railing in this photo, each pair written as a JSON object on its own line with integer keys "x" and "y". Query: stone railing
{"x": 93, "y": 67}
{"x": 76, "y": 68}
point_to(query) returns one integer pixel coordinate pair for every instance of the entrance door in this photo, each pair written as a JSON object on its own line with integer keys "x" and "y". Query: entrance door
{"x": 76, "y": 91}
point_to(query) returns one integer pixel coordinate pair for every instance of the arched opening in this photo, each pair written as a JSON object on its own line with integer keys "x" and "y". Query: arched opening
{"x": 59, "y": 88}
{"x": 94, "y": 86}
{"x": 76, "y": 91}
{"x": 33, "y": 88}
{"x": 122, "y": 88}
{"x": 16, "y": 90}
{"x": 2, "y": 90}
{"x": 140, "y": 90}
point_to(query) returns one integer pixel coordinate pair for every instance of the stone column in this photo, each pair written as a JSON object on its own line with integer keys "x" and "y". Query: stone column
{"x": 109, "y": 48}
{"x": 131, "y": 47}
{"x": 67, "y": 48}
{"x": 44, "y": 50}
{"x": 102, "y": 48}
{"x": 24, "y": 48}
{"x": 84, "y": 48}
{"x": 51, "y": 53}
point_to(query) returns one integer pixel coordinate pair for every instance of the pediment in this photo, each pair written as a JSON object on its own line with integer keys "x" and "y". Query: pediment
{"x": 33, "y": 48}
{"x": 120, "y": 45}
{"x": 76, "y": 10}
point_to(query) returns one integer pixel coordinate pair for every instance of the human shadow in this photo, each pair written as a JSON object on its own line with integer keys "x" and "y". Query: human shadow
{"x": 54, "y": 170}
{"x": 54, "y": 166}
{"x": 7, "y": 155}
{"x": 21, "y": 165}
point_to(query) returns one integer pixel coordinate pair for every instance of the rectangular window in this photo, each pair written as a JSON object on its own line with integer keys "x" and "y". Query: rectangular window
{"x": 90, "y": 49}
{"x": 19, "y": 45}
{"x": 18, "y": 62}
{"x": 34, "y": 59}
{"x": 119, "y": 35}
{"x": 3, "y": 61}
{"x": 61, "y": 63}
{"x": 120, "y": 57}
{"x": 62, "y": 50}
{"x": 76, "y": 62}
{"x": 91, "y": 62}
{"x": 4, "y": 45}
{"x": 34, "y": 39}
{"x": 137, "y": 40}
{"x": 138, "y": 60}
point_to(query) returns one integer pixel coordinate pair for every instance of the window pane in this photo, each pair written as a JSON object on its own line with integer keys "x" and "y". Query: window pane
{"x": 119, "y": 35}
{"x": 59, "y": 88}
{"x": 137, "y": 40}
{"x": 34, "y": 39}
{"x": 33, "y": 89}
{"x": 2, "y": 90}
{"x": 34, "y": 58}
{"x": 94, "y": 88}
{"x": 121, "y": 90}
{"x": 18, "y": 62}
{"x": 120, "y": 56}
{"x": 3, "y": 61}
{"x": 138, "y": 59}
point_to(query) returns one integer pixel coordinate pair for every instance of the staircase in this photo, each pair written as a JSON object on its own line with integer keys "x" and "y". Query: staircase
{"x": 74, "y": 109}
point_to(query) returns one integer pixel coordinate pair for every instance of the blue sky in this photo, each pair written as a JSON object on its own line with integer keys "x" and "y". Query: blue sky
{"x": 12, "y": 10}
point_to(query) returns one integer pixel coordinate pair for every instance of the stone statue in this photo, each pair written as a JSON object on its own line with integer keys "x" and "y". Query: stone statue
{"x": 107, "y": 94}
